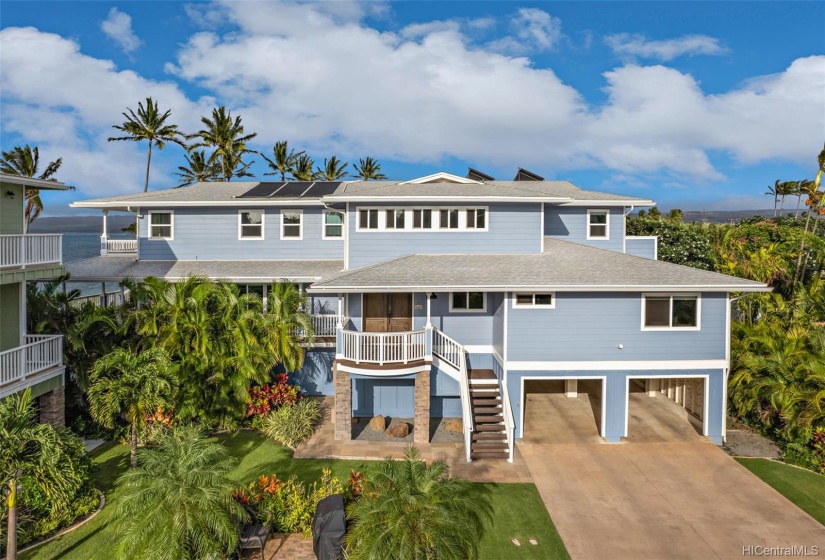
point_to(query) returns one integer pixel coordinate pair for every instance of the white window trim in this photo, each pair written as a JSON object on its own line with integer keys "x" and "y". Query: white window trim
{"x": 433, "y": 219}
{"x": 241, "y": 237}
{"x": 324, "y": 225}
{"x": 300, "y": 226}
{"x": 453, "y": 309}
{"x": 533, "y": 305}
{"x": 436, "y": 219}
{"x": 698, "y": 297}
{"x": 171, "y": 225}
{"x": 607, "y": 224}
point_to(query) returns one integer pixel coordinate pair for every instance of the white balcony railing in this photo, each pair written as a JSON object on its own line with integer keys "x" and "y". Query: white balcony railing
{"x": 20, "y": 251}
{"x": 121, "y": 245}
{"x": 383, "y": 348}
{"x": 111, "y": 298}
{"x": 40, "y": 353}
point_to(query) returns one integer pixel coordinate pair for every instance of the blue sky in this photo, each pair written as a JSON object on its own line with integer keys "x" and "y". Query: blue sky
{"x": 695, "y": 105}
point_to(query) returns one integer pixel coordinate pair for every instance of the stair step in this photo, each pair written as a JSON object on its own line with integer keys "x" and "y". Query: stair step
{"x": 498, "y": 428}
{"x": 486, "y": 401}
{"x": 484, "y": 383}
{"x": 490, "y": 419}
{"x": 492, "y": 392}
{"x": 487, "y": 409}
{"x": 489, "y": 437}
{"x": 473, "y": 374}
{"x": 489, "y": 446}
{"x": 489, "y": 454}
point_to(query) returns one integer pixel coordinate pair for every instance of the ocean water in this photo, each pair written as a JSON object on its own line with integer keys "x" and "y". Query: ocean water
{"x": 78, "y": 246}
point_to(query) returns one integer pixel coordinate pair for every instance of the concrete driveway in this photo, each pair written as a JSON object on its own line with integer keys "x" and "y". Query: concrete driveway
{"x": 662, "y": 500}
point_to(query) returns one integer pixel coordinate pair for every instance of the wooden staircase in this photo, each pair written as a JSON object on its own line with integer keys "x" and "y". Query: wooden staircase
{"x": 489, "y": 438}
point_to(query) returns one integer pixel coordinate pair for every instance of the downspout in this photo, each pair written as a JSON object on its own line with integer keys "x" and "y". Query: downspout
{"x": 624, "y": 230}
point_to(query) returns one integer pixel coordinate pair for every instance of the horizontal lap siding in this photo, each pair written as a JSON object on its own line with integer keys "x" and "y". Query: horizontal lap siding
{"x": 512, "y": 228}
{"x": 645, "y": 248}
{"x": 466, "y": 328}
{"x": 315, "y": 377}
{"x": 591, "y": 326}
{"x": 570, "y": 224}
{"x": 212, "y": 234}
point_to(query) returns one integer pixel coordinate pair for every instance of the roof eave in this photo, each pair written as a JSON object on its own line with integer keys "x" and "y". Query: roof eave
{"x": 233, "y": 202}
{"x": 31, "y": 182}
{"x": 548, "y": 287}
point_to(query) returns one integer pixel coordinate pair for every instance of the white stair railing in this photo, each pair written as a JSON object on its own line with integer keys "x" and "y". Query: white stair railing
{"x": 509, "y": 421}
{"x": 453, "y": 353}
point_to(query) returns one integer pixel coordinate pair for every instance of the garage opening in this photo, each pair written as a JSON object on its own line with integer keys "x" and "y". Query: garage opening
{"x": 665, "y": 409}
{"x": 562, "y": 410}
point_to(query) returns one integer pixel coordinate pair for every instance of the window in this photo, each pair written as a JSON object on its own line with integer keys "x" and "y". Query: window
{"x": 395, "y": 219}
{"x": 368, "y": 219}
{"x": 291, "y": 224}
{"x": 160, "y": 225}
{"x": 670, "y": 312}
{"x": 597, "y": 224}
{"x": 449, "y": 219}
{"x": 333, "y": 225}
{"x": 423, "y": 219}
{"x": 535, "y": 300}
{"x": 468, "y": 302}
{"x": 251, "y": 224}
{"x": 476, "y": 218}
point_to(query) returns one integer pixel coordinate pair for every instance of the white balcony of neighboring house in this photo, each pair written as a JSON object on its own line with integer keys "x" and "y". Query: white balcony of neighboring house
{"x": 39, "y": 359}
{"x": 118, "y": 247}
{"x": 31, "y": 250}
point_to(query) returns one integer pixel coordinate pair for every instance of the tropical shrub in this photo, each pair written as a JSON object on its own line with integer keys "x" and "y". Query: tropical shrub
{"x": 288, "y": 505}
{"x": 178, "y": 502}
{"x": 290, "y": 425}
{"x": 803, "y": 456}
{"x": 409, "y": 509}
{"x": 265, "y": 398}
{"x": 686, "y": 244}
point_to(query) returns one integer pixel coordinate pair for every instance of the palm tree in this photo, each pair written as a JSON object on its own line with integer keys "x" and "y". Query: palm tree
{"x": 303, "y": 168}
{"x": 333, "y": 170}
{"x": 411, "y": 510}
{"x": 284, "y": 161}
{"x": 178, "y": 503}
{"x": 291, "y": 323}
{"x": 129, "y": 384}
{"x": 774, "y": 192}
{"x": 236, "y": 166}
{"x": 814, "y": 203}
{"x": 148, "y": 124}
{"x": 34, "y": 452}
{"x": 197, "y": 169}
{"x": 369, "y": 169}
{"x": 24, "y": 162}
{"x": 226, "y": 136}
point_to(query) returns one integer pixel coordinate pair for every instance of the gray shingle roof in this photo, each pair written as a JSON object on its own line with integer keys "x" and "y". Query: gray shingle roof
{"x": 111, "y": 268}
{"x": 216, "y": 192}
{"x": 563, "y": 266}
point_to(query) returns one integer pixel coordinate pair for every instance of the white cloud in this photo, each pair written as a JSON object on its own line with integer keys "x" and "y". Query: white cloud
{"x": 331, "y": 83}
{"x": 629, "y": 45}
{"x": 532, "y": 30}
{"x": 118, "y": 27}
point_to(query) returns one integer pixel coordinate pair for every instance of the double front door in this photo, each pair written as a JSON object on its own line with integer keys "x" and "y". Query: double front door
{"x": 387, "y": 312}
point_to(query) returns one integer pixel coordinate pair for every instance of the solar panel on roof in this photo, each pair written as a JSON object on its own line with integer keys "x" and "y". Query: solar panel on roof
{"x": 477, "y": 175}
{"x": 524, "y": 175}
{"x": 322, "y": 188}
{"x": 263, "y": 190}
{"x": 292, "y": 189}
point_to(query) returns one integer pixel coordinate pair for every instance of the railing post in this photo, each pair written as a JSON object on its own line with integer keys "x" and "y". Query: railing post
{"x": 339, "y": 341}
{"x": 381, "y": 349}
{"x": 22, "y": 363}
{"x": 21, "y": 250}
{"x": 428, "y": 341}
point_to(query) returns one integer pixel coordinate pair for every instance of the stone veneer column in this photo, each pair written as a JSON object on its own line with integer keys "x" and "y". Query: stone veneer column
{"x": 53, "y": 407}
{"x": 343, "y": 405}
{"x": 421, "y": 422}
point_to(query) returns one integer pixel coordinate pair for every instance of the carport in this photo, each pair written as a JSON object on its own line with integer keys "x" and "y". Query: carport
{"x": 562, "y": 410}
{"x": 663, "y": 409}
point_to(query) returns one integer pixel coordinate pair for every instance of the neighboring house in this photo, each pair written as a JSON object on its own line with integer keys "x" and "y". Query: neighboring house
{"x": 28, "y": 360}
{"x": 444, "y": 295}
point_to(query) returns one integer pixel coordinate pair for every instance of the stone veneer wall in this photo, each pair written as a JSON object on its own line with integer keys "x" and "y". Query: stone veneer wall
{"x": 53, "y": 407}
{"x": 421, "y": 421}
{"x": 343, "y": 405}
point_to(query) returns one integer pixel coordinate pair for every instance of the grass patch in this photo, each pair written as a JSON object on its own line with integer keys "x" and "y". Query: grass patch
{"x": 804, "y": 488}
{"x": 517, "y": 508}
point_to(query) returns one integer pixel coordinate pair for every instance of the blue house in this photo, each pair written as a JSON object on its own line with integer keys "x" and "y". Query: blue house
{"x": 449, "y": 296}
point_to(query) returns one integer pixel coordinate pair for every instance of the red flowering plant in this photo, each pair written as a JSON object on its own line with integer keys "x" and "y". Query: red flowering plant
{"x": 264, "y": 399}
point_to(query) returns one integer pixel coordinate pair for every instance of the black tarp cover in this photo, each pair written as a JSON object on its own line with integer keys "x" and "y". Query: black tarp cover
{"x": 328, "y": 528}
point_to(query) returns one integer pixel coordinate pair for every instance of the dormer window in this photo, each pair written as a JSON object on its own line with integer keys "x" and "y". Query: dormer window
{"x": 598, "y": 224}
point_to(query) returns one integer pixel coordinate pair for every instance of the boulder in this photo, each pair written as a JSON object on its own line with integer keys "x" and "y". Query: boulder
{"x": 400, "y": 430}
{"x": 378, "y": 423}
{"x": 453, "y": 425}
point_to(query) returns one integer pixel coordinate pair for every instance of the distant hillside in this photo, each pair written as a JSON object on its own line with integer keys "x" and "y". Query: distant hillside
{"x": 723, "y": 216}
{"x": 79, "y": 224}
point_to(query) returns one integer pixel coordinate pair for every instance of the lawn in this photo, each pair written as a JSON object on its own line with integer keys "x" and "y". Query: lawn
{"x": 804, "y": 488}
{"x": 518, "y": 509}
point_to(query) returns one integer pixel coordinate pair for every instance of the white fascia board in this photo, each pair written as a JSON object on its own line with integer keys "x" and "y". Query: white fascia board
{"x": 33, "y": 183}
{"x": 597, "y": 203}
{"x": 449, "y": 177}
{"x": 234, "y": 202}
{"x": 617, "y": 365}
{"x": 565, "y": 288}
{"x": 436, "y": 200}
